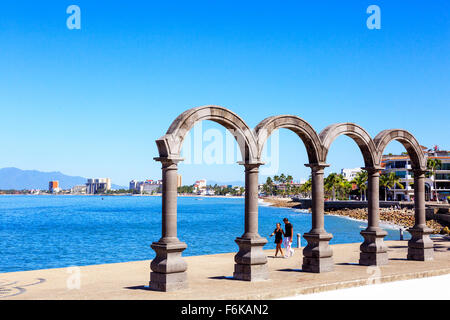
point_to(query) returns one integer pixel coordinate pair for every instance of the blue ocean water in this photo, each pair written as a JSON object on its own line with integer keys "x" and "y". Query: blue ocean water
{"x": 40, "y": 232}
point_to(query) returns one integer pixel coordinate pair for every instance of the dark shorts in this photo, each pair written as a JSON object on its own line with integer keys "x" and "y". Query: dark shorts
{"x": 278, "y": 240}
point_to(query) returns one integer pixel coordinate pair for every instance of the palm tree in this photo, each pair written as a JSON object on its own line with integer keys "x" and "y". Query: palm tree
{"x": 296, "y": 190}
{"x": 394, "y": 181}
{"x": 345, "y": 186}
{"x": 331, "y": 182}
{"x": 384, "y": 182}
{"x": 268, "y": 186}
{"x": 306, "y": 187}
{"x": 433, "y": 165}
{"x": 360, "y": 181}
{"x": 288, "y": 184}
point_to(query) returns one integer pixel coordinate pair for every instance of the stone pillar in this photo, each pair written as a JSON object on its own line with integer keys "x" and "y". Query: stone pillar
{"x": 168, "y": 267}
{"x": 420, "y": 247}
{"x": 251, "y": 261}
{"x": 317, "y": 255}
{"x": 373, "y": 249}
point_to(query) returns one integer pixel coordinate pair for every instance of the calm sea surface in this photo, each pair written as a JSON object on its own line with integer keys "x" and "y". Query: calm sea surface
{"x": 39, "y": 232}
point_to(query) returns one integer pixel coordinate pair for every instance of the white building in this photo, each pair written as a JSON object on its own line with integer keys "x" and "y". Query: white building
{"x": 401, "y": 166}
{"x": 350, "y": 174}
{"x": 78, "y": 189}
{"x": 147, "y": 186}
{"x": 200, "y": 186}
{"x": 94, "y": 186}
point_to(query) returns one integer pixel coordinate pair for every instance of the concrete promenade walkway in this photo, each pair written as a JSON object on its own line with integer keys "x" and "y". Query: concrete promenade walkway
{"x": 210, "y": 277}
{"x": 435, "y": 288}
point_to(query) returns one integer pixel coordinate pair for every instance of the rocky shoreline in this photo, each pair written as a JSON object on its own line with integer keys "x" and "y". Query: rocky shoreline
{"x": 399, "y": 217}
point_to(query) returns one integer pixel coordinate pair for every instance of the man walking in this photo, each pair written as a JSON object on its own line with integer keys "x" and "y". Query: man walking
{"x": 288, "y": 234}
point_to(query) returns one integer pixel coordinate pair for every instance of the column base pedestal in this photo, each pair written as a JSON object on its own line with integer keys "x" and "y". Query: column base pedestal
{"x": 251, "y": 261}
{"x": 420, "y": 247}
{"x": 168, "y": 267}
{"x": 373, "y": 249}
{"x": 317, "y": 265}
{"x": 168, "y": 281}
{"x": 318, "y": 255}
{"x": 246, "y": 272}
{"x": 420, "y": 254}
{"x": 373, "y": 258}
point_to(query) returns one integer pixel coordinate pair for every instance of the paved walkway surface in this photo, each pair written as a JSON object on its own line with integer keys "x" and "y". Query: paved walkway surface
{"x": 210, "y": 277}
{"x": 430, "y": 288}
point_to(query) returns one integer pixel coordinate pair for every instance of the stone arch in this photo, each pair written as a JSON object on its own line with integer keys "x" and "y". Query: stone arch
{"x": 297, "y": 125}
{"x": 168, "y": 267}
{"x": 355, "y": 132}
{"x": 169, "y": 145}
{"x": 420, "y": 246}
{"x": 317, "y": 255}
{"x": 412, "y": 146}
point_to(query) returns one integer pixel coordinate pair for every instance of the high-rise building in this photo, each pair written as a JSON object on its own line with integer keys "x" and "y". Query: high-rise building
{"x": 179, "y": 182}
{"x": 53, "y": 186}
{"x": 147, "y": 186}
{"x": 99, "y": 185}
{"x": 133, "y": 185}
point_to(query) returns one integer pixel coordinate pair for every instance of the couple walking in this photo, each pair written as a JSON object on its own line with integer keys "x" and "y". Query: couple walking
{"x": 288, "y": 234}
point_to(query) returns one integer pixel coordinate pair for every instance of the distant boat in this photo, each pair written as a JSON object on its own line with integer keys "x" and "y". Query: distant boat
{"x": 198, "y": 199}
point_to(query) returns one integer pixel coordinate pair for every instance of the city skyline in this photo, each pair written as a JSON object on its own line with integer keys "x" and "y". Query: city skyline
{"x": 347, "y": 173}
{"x": 85, "y": 102}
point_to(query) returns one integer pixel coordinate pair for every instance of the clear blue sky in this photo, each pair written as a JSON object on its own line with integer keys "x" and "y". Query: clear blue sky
{"x": 91, "y": 102}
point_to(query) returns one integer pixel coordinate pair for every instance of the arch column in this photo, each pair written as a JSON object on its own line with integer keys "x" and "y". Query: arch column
{"x": 373, "y": 249}
{"x": 251, "y": 261}
{"x": 420, "y": 247}
{"x": 168, "y": 267}
{"x": 317, "y": 255}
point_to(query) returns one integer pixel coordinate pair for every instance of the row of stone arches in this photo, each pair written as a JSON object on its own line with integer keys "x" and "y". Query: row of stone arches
{"x": 168, "y": 267}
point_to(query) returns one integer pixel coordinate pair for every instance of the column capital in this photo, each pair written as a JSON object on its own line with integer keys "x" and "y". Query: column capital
{"x": 317, "y": 167}
{"x": 250, "y": 165}
{"x": 373, "y": 169}
{"x": 168, "y": 161}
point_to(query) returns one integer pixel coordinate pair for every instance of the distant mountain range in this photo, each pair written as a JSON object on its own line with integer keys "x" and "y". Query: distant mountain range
{"x": 17, "y": 179}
